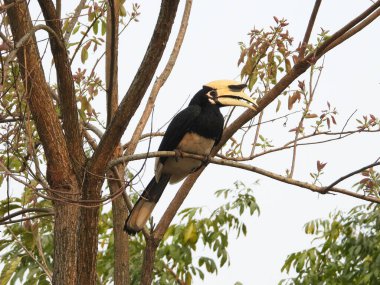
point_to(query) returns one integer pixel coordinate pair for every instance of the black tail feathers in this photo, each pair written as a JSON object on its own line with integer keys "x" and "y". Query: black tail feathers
{"x": 145, "y": 205}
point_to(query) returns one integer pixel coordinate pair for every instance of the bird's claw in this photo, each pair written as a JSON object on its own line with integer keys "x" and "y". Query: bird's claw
{"x": 178, "y": 154}
{"x": 206, "y": 160}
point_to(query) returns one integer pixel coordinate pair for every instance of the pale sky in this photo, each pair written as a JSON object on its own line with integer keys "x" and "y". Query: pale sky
{"x": 351, "y": 80}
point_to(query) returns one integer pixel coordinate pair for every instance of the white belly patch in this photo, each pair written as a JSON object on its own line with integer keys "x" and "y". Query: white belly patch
{"x": 179, "y": 167}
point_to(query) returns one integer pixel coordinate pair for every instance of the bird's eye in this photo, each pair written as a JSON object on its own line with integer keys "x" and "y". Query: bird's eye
{"x": 213, "y": 93}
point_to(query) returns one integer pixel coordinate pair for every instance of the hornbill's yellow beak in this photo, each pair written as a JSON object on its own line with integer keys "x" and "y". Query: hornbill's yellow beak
{"x": 229, "y": 93}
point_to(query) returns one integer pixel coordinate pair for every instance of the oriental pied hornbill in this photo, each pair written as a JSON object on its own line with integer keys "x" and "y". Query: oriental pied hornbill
{"x": 195, "y": 130}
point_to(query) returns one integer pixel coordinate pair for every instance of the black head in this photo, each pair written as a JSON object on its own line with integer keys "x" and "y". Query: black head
{"x": 223, "y": 93}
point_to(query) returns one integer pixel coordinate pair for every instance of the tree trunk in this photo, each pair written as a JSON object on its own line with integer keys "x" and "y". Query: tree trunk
{"x": 60, "y": 174}
{"x": 148, "y": 263}
{"x": 96, "y": 167}
{"x": 119, "y": 215}
{"x": 116, "y": 182}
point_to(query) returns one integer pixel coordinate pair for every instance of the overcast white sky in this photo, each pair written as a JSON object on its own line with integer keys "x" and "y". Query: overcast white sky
{"x": 351, "y": 80}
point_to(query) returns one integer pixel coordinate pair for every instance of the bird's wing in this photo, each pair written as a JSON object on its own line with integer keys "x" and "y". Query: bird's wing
{"x": 177, "y": 128}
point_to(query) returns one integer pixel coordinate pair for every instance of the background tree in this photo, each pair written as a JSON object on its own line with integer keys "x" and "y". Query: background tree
{"x": 49, "y": 148}
{"x": 348, "y": 245}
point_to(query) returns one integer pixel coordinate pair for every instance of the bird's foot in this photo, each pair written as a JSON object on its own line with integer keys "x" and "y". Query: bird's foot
{"x": 178, "y": 154}
{"x": 206, "y": 160}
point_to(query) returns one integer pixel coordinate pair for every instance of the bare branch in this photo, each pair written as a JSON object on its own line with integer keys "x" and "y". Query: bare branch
{"x": 134, "y": 95}
{"x": 341, "y": 135}
{"x": 22, "y": 41}
{"x": 160, "y": 81}
{"x": 331, "y": 186}
{"x": 58, "y": 8}
{"x": 324, "y": 47}
{"x": 116, "y": 183}
{"x": 6, "y": 40}
{"x": 94, "y": 129}
{"x": 144, "y": 136}
{"x": 73, "y": 20}
{"x": 31, "y": 255}
{"x": 354, "y": 30}
{"x": 192, "y": 178}
{"x": 24, "y": 211}
{"x": 257, "y": 133}
{"x": 4, "y": 8}
{"x": 309, "y": 28}
{"x": 26, "y": 218}
{"x": 111, "y": 58}
{"x": 175, "y": 204}
{"x": 66, "y": 89}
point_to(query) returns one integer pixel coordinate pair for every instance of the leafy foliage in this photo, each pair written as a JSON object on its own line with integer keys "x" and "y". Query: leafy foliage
{"x": 348, "y": 252}
{"x": 26, "y": 249}
{"x": 177, "y": 257}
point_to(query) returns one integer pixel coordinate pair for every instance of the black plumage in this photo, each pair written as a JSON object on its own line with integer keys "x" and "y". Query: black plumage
{"x": 196, "y": 129}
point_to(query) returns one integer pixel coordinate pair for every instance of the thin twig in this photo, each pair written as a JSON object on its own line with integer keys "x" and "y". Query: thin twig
{"x": 257, "y": 133}
{"x": 73, "y": 20}
{"x": 309, "y": 28}
{"x": 44, "y": 269}
{"x": 160, "y": 81}
{"x": 298, "y": 69}
{"x": 26, "y": 37}
{"x": 251, "y": 168}
{"x": 85, "y": 34}
{"x": 26, "y": 219}
{"x": 27, "y": 210}
{"x": 328, "y": 188}
{"x": 349, "y": 118}
{"x": 354, "y": 30}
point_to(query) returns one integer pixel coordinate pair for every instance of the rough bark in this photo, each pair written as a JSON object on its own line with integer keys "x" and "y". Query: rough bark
{"x": 138, "y": 87}
{"x": 88, "y": 221}
{"x": 116, "y": 175}
{"x": 66, "y": 90}
{"x": 148, "y": 262}
{"x": 119, "y": 215}
{"x": 60, "y": 174}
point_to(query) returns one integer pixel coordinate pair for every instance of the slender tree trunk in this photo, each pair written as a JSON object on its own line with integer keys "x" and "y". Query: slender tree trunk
{"x": 119, "y": 215}
{"x": 116, "y": 175}
{"x": 148, "y": 263}
{"x": 60, "y": 174}
{"x": 96, "y": 167}
{"x": 88, "y": 236}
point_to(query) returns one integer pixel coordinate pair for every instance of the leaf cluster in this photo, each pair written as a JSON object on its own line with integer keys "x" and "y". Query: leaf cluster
{"x": 178, "y": 257}
{"x": 348, "y": 251}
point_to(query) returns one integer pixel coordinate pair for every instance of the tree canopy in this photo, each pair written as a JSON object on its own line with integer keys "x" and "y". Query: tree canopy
{"x": 70, "y": 169}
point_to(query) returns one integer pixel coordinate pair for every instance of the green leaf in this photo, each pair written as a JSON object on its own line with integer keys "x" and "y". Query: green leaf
{"x": 104, "y": 28}
{"x": 84, "y": 54}
{"x": 278, "y": 105}
{"x": 252, "y": 80}
{"x": 76, "y": 29}
{"x": 244, "y": 229}
{"x": 310, "y": 228}
{"x": 123, "y": 12}
{"x": 95, "y": 27}
{"x": 190, "y": 234}
{"x": 8, "y": 270}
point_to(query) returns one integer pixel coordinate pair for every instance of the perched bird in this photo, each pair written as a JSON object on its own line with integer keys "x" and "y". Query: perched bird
{"x": 195, "y": 130}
